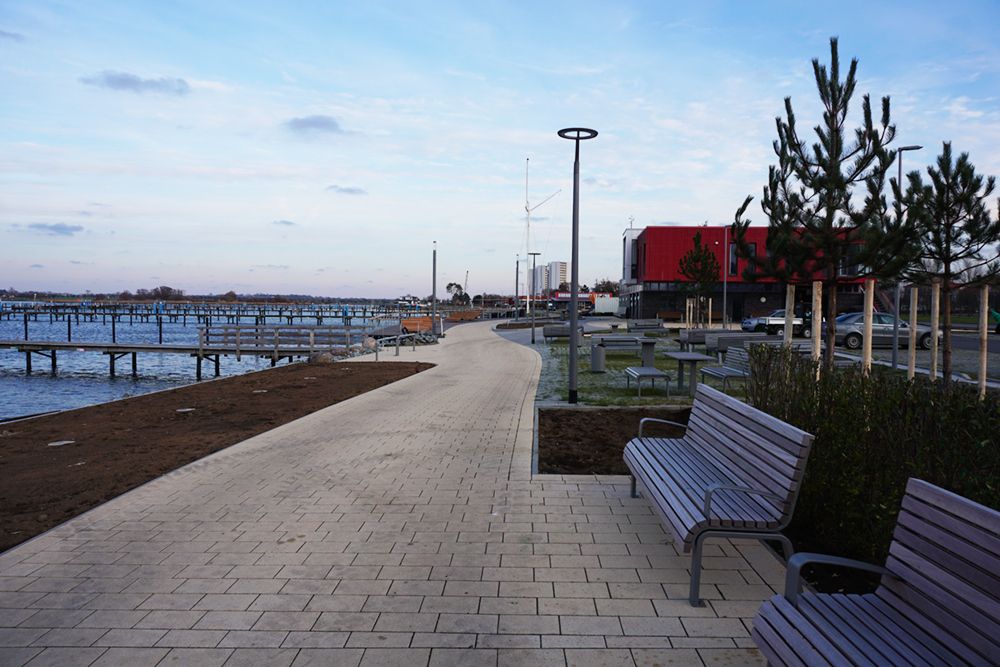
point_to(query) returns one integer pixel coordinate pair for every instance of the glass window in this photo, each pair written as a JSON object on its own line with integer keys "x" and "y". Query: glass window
{"x": 734, "y": 260}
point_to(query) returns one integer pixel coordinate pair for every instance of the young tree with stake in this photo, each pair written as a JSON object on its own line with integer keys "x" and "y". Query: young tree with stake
{"x": 815, "y": 229}
{"x": 957, "y": 235}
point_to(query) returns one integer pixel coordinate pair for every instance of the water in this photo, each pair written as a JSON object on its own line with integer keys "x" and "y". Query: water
{"x": 83, "y": 376}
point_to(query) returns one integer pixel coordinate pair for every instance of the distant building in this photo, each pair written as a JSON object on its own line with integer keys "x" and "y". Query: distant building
{"x": 558, "y": 274}
{"x": 630, "y": 270}
{"x": 540, "y": 280}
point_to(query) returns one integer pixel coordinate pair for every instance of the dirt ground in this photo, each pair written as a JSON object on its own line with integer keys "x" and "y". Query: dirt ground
{"x": 118, "y": 446}
{"x": 590, "y": 441}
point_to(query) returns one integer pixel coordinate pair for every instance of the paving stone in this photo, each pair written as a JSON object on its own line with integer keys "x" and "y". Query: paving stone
{"x": 463, "y": 657}
{"x": 129, "y": 637}
{"x": 328, "y": 657}
{"x": 196, "y": 657}
{"x": 534, "y": 657}
{"x": 395, "y": 657}
{"x": 665, "y": 657}
{"x": 253, "y": 657}
{"x": 66, "y": 657}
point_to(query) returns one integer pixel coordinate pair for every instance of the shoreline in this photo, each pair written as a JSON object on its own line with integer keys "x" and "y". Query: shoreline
{"x": 121, "y": 444}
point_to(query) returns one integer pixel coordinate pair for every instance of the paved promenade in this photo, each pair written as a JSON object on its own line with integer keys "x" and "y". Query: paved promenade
{"x": 400, "y": 527}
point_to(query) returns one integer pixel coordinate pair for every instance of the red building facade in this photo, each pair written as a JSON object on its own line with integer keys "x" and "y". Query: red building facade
{"x": 653, "y": 285}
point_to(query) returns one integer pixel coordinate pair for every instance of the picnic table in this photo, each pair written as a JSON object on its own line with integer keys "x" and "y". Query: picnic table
{"x": 691, "y": 358}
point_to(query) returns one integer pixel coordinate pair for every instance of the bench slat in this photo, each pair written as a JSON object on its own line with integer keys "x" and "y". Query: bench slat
{"x": 694, "y": 476}
{"x": 859, "y": 635}
{"x": 964, "y": 612}
{"x": 906, "y": 615}
{"x": 863, "y": 611}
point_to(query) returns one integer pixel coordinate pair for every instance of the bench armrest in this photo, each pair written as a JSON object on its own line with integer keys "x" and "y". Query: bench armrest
{"x": 642, "y": 423}
{"x": 712, "y": 488}
{"x": 793, "y": 570}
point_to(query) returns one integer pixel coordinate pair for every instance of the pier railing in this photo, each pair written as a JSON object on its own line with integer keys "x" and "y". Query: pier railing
{"x": 276, "y": 340}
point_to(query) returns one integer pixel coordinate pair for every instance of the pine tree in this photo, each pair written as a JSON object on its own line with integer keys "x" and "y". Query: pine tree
{"x": 815, "y": 230}
{"x": 958, "y": 237}
{"x": 701, "y": 268}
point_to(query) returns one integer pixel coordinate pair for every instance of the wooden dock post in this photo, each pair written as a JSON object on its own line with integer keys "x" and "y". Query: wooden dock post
{"x": 69, "y": 329}
{"x": 135, "y": 366}
{"x": 27, "y": 362}
{"x": 52, "y": 357}
{"x": 26, "y": 326}
{"x": 111, "y": 364}
{"x": 197, "y": 373}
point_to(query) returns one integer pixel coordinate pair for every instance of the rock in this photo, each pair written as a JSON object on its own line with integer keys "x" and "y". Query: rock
{"x": 321, "y": 358}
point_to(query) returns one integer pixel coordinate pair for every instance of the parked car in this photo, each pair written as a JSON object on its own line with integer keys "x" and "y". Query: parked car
{"x": 772, "y": 324}
{"x": 851, "y": 326}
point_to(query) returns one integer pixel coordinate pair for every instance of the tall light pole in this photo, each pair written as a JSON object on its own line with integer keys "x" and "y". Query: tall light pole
{"x": 533, "y": 290}
{"x": 434, "y": 282}
{"x": 528, "y": 208}
{"x": 899, "y": 286}
{"x": 725, "y": 272}
{"x": 576, "y": 135}
{"x": 517, "y": 273}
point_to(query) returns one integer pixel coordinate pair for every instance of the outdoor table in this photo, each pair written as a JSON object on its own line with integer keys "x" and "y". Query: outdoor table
{"x": 648, "y": 351}
{"x": 691, "y": 358}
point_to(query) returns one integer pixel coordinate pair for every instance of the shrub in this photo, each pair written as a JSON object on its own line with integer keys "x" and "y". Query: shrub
{"x": 872, "y": 434}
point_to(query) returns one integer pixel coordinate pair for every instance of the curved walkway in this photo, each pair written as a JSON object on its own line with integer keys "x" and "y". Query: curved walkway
{"x": 400, "y": 527}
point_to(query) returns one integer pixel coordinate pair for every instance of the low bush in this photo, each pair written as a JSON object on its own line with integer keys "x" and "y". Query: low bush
{"x": 873, "y": 433}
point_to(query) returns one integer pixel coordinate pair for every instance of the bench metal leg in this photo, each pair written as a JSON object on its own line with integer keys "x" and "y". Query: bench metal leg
{"x": 634, "y": 493}
{"x": 693, "y": 594}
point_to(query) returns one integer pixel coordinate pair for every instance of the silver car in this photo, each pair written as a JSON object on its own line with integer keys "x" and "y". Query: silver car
{"x": 851, "y": 327}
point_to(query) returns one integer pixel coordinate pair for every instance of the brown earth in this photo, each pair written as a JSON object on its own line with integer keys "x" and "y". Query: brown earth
{"x": 123, "y": 444}
{"x": 590, "y": 441}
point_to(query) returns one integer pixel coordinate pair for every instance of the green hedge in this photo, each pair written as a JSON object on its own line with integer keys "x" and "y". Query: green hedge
{"x": 873, "y": 433}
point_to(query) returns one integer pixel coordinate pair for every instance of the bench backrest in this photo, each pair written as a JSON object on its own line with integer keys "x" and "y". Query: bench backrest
{"x": 615, "y": 340}
{"x": 725, "y": 341}
{"x": 946, "y": 554}
{"x": 557, "y": 330}
{"x": 695, "y": 335}
{"x": 757, "y": 448}
{"x": 738, "y": 358}
{"x": 643, "y": 325}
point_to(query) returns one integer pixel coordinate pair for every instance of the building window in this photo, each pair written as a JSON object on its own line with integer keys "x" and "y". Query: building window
{"x": 733, "y": 260}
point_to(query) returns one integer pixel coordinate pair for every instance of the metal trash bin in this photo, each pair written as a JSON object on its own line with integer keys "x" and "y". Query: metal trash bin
{"x": 597, "y": 356}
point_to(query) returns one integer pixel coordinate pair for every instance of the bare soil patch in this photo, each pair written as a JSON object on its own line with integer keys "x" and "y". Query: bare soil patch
{"x": 120, "y": 445}
{"x": 590, "y": 441}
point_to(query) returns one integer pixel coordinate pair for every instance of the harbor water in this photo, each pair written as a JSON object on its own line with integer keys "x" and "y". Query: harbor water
{"x": 83, "y": 379}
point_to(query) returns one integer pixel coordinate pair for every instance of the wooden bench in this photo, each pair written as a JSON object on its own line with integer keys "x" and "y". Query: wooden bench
{"x": 938, "y": 602}
{"x": 719, "y": 343}
{"x": 640, "y": 372}
{"x": 617, "y": 343}
{"x": 551, "y": 331}
{"x": 688, "y": 338}
{"x": 645, "y": 325}
{"x": 735, "y": 473}
{"x": 735, "y": 367}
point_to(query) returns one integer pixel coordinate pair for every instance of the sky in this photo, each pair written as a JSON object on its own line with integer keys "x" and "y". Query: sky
{"x": 323, "y": 147}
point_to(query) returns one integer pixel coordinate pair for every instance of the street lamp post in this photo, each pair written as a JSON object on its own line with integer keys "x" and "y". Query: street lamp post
{"x": 531, "y": 297}
{"x": 434, "y": 278}
{"x": 517, "y": 270}
{"x": 576, "y": 135}
{"x": 899, "y": 286}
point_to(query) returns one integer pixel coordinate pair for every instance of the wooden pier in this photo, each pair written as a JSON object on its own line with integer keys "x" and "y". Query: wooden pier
{"x": 275, "y": 342}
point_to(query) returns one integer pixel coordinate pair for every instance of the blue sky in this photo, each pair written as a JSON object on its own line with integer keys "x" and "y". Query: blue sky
{"x": 321, "y": 148}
